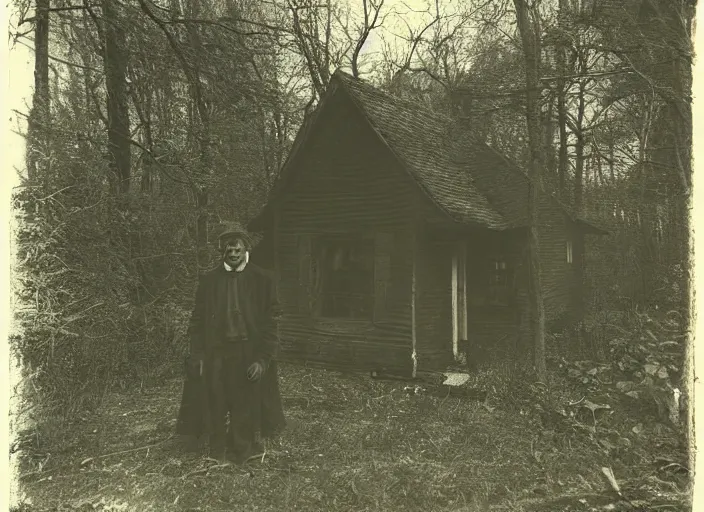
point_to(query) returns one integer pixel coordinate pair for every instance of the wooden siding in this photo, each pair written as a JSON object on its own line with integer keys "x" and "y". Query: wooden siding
{"x": 432, "y": 216}
{"x": 434, "y": 300}
{"x": 491, "y": 329}
{"x": 495, "y": 328}
{"x": 556, "y": 272}
{"x": 348, "y": 182}
{"x": 263, "y": 253}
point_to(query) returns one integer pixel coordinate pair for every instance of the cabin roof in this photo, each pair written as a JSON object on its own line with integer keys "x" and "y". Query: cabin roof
{"x": 470, "y": 182}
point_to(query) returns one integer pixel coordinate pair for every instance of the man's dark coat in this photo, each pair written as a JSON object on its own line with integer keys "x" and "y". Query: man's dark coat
{"x": 259, "y": 308}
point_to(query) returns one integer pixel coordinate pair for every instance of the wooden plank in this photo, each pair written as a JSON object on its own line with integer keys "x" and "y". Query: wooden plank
{"x": 383, "y": 245}
{"x": 464, "y": 310}
{"x": 341, "y": 189}
{"x": 304, "y": 269}
{"x": 455, "y": 309}
{"x": 276, "y": 249}
{"x": 556, "y": 271}
{"x": 414, "y": 354}
{"x": 433, "y": 296}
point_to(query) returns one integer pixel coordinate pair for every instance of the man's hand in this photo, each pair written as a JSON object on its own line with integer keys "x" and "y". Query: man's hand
{"x": 255, "y": 371}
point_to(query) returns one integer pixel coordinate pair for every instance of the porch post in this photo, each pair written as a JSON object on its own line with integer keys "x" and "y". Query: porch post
{"x": 465, "y": 311}
{"x": 414, "y": 355}
{"x": 275, "y": 243}
{"x": 417, "y": 234}
{"x": 455, "y": 306}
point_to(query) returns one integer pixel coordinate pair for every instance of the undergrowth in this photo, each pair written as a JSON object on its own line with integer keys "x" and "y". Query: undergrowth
{"x": 353, "y": 443}
{"x": 592, "y": 438}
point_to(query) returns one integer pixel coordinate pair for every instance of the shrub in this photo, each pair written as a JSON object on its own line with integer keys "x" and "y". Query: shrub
{"x": 644, "y": 365}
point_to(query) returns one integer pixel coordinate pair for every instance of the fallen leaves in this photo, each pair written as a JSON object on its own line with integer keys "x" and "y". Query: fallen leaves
{"x": 446, "y": 445}
{"x": 611, "y": 479}
{"x": 588, "y": 404}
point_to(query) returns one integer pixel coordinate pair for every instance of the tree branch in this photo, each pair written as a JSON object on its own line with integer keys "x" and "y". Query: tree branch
{"x": 61, "y": 61}
{"x": 431, "y": 75}
{"x": 415, "y": 41}
{"x": 366, "y": 30}
{"x": 55, "y": 9}
{"x": 219, "y": 24}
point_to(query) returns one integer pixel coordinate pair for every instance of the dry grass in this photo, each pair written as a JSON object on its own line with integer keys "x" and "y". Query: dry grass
{"x": 352, "y": 444}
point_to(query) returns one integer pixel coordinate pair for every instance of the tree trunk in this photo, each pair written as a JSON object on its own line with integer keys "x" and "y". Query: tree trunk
{"x": 578, "y": 241}
{"x": 682, "y": 12}
{"x": 646, "y": 255}
{"x": 548, "y": 144}
{"x": 562, "y": 101}
{"x": 530, "y": 35}
{"x": 39, "y": 117}
{"x": 202, "y": 131}
{"x": 115, "y": 60}
{"x": 612, "y": 156}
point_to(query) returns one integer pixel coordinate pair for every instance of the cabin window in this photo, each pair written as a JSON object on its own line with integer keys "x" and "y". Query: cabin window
{"x": 569, "y": 251}
{"x": 499, "y": 289}
{"x": 490, "y": 280}
{"x": 343, "y": 275}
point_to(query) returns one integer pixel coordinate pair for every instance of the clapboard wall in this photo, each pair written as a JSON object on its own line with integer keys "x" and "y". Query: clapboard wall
{"x": 346, "y": 182}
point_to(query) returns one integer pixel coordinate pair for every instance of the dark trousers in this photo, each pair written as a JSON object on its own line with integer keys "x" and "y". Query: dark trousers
{"x": 235, "y": 397}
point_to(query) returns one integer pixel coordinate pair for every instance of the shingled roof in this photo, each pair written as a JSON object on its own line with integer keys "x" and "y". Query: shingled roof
{"x": 428, "y": 147}
{"x": 464, "y": 177}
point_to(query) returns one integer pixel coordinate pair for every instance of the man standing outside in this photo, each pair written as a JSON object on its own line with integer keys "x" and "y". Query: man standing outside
{"x": 232, "y": 360}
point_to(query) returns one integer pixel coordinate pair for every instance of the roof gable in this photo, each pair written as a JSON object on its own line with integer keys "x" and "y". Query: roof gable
{"x": 430, "y": 149}
{"x": 467, "y": 180}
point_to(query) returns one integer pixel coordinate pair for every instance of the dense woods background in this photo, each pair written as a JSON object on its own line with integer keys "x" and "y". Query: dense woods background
{"x": 153, "y": 120}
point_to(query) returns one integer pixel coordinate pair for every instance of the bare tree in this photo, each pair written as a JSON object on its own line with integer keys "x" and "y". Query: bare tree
{"x": 118, "y": 115}
{"x": 312, "y": 29}
{"x": 563, "y": 42}
{"x": 370, "y": 22}
{"x": 529, "y": 28}
{"x": 39, "y": 117}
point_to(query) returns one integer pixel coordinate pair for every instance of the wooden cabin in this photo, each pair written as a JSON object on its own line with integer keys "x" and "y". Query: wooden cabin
{"x": 398, "y": 239}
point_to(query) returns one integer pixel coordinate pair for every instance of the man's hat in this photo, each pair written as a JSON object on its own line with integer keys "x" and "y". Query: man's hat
{"x": 234, "y": 230}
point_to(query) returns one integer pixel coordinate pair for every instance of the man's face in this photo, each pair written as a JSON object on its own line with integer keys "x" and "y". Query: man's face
{"x": 235, "y": 251}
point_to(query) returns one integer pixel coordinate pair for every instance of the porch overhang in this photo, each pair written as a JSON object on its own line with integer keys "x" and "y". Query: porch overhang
{"x": 589, "y": 228}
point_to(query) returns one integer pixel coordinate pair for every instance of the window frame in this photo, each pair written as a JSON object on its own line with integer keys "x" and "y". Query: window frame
{"x": 499, "y": 285}
{"x": 364, "y": 243}
{"x": 491, "y": 280}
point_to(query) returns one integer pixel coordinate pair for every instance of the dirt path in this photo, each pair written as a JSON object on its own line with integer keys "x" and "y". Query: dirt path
{"x": 352, "y": 444}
